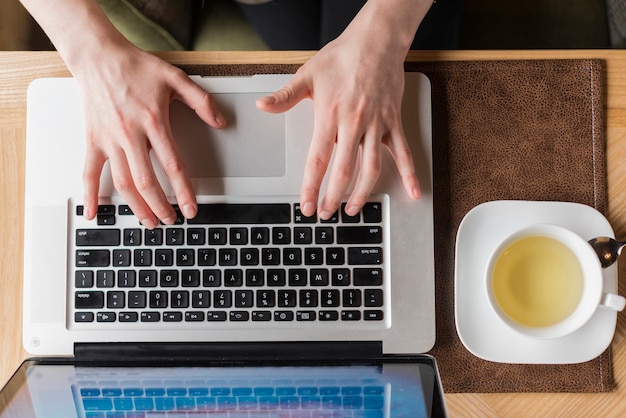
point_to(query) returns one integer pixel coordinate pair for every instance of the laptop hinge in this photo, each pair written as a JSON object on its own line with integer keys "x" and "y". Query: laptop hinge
{"x": 249, "y": 351}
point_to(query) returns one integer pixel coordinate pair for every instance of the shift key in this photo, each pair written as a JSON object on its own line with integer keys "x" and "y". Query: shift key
{"x": 365, "y": 255}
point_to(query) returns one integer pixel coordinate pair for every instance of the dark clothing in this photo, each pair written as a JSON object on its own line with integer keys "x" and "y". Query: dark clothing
{"x": 311, "y": 24}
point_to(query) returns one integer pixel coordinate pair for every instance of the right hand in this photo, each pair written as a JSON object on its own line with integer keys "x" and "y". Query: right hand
{"x": 126, "y": 101}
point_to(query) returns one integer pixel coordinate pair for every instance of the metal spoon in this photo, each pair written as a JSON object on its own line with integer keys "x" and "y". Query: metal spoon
{"x": 608, "y": 250}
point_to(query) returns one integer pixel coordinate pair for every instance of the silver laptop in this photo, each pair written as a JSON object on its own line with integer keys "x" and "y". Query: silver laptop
{"x": 249, "y": 270}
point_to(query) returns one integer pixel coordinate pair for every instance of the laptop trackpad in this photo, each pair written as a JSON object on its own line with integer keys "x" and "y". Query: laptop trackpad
{"x": 252, "y": 144}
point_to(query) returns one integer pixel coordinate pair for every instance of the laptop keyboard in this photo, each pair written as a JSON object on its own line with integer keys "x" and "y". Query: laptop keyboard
{"x": 243, "y": 262}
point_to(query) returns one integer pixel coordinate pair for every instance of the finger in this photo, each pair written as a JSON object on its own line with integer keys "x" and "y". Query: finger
{"x": 94, "y": 161}
{"x": 341, "y": 173}
{"x": 401, "y": 153}
{"x": 198, "y": 99}
{"x": 318, "y": 157}
{"x": 168, "y": 154}
{"x": 144, "y": 179}
{"x": 287, "y": 97}
{"x": 123, "y": 181}
{"x": 371, "y": 161}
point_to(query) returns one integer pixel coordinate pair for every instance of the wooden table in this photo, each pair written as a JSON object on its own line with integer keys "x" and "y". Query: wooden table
{"x": 17, "y": 69}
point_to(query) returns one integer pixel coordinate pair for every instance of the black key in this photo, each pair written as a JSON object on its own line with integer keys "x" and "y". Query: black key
{"x": 313, "y": 256}
{"x": 196, "y": 236}
{"x": 372, "y": 212}
{"x": 335, "y": 256}
{"x": 142, "y": 258}
{"x": 260, "y": 236}
{"x": 190, "y": 278}
{"x": 232, "y": 213}
{"x": 172, "y": 316}
{"x": 283, "y": 316}
{"x": 158, "y": 299}
{"x": 106, "y": 209}
{"x": 249, "y": 256}
{"x": 106, "y": 317}
{"x": 340, "y": 277}
{"x": 299, "y": 218}
{"x": 194, "y": 316}
{"x": 298, "y": 277}
{"x": 330, "y": 298}
{"x": 350, "y": 315}
{"x": 185, "y": 257}
{"x": 180, "y": 299}
{"x": 233, "y": 277}
{"x": 216, "y": 316}
{"x": 281, "y": 235}
{"x": 121, "y": 258}
{"x": 150, "y": 317}
{"x": 227, "y": 257}
{"x": 308, "y": 298}
{"x": 132, "y": 237}
{"x": 292, "y": 256}
{"x": 373, "y": 315}
{"x": 128, "y": 317}
{"x": 368, "y": 277}
{"x": 116, "y": 300}
{"x": 345, "y": 218}
{"x": 211, "y": 278}
{"x": 105, "y": 220}
{"x": 137, "y": 299}
{"x": 239, "y": 316}
{"x": 303, "y": 235}
{"x": 319, "y": 277}
{"x": 238, "y": 236}
{"x": 168, "y": 278}
{"x": 351, "y": 297}
{"x": 222, "y": 299}
{"x": 80, "y": 209}
{"x": 217, "y": 236}
{"x": 147, "y": 278}
{"x": 359, "y": 235}
{"x": 83, "y": 278}
{"x": 200, "y": 299}
{"x": 261, "y": 315}
{"x": 276, "y": 277}
{"x": 265, "y": 299}
{"x": 153, "y": 236}
{"x": 97, "y": 237}
{"x": 365, "y": 255}
{"x": 305, "y": 316}
{"x": 124, "y": 210}
{"x": 373, "y": 297}
{"x": 244, "y": 299}
{"x": 93, "y": 258}
{"x": 270, "y": 256}
{"x": 83, "y": 317}
{"x": 164, "y": 257}
{"x": 287, "y": 298}
{"x": 324, "y": 235}
{"x": 329, "y": 315}
{"x": 174, "y": 236}
{"x": 126, "y": 278}
{"x": 207, "y": 257}
{"x": 105, "y": 278}
{"x": 89, "y": 300}
{"x": 255, "y": 277}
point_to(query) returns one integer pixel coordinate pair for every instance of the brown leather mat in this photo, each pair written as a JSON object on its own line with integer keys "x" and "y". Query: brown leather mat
{"x": 530, "y": 130}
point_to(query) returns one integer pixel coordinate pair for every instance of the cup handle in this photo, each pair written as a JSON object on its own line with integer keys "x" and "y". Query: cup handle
{"x": 613, "y": 301}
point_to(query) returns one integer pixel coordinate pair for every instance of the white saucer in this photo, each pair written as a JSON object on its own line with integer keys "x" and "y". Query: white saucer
{"x": 480, "y": 330}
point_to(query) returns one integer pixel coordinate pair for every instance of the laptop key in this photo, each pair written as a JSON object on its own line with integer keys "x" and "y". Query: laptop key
{"x": 97, "y": 237}
{"x": 89, "y": 300}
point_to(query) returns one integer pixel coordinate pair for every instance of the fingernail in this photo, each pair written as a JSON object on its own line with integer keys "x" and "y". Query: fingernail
{"x": 308, "y": 209}
{"x": 325, "y": 214}
{"x": 169, "y": 220}
{"x": 149, "y": 223}
{"x": 352, "y": 210}
{"x": 88, "y": 213}
{"x": 219, "y": 120}
{"x": 189, "y": 211}
{"x": 416, "y": 193}
{"x": 270, "y": 100}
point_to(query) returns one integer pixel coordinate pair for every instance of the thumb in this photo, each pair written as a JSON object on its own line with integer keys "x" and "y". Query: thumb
{"x": 285, "y": 98}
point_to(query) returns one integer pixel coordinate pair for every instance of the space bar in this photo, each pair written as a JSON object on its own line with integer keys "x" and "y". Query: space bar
{"x": 237, "y": 213}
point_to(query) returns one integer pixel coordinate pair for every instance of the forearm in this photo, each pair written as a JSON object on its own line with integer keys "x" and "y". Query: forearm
{"x": 390, "y": 25}
{"x": 79, "y": 29}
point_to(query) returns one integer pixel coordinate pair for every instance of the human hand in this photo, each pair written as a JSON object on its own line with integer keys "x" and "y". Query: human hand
{"x": 356, "y": 83}
{"x": 126, "y": 101}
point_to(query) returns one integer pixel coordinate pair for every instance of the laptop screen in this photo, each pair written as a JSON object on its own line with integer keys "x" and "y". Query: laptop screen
{"x": 398, "y": 387}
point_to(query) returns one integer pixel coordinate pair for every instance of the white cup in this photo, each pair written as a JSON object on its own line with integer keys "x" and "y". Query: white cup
{"x": 545, "y": 281}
